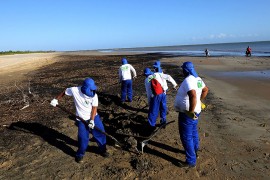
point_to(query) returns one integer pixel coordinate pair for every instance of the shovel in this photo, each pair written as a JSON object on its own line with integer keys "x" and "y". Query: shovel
{"x": 145, "y": 142}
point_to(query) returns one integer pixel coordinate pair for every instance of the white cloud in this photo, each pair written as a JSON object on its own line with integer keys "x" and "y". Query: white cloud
{"x": 219, "y": 36}
{"x": 223, "y": 37}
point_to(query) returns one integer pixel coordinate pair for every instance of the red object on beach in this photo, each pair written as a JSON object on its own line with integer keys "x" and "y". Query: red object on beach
{"x": 156, "y": 87}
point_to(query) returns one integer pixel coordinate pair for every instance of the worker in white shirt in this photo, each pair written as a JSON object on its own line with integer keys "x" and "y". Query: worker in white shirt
{"x": 158, "y": 100}
{"x": 125, "y": 79}
{"x": 86, "y": 103}
{"x": 188, "y": 103}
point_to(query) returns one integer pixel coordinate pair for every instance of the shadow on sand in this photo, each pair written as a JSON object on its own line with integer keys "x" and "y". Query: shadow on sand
{"x": 50, "y": 135}
{"x": 157, "y": 153}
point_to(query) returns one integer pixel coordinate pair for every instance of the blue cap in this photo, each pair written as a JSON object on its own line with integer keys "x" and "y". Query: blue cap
{"x": 189, "y": 69}
{"x": 147, "y": 72}
{"x": 89, "y": 87}
{"x": 124, "y": 61}
{"x": 157, "y": 64}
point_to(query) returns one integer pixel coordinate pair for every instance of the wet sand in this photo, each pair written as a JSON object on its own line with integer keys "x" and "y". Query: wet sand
{"x": 240, "y": 82}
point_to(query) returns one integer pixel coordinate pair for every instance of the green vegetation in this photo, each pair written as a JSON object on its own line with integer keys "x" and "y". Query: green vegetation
{"x": 22, "y": 52}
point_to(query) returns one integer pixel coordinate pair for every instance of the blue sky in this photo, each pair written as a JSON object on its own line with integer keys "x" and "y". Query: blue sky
{"x": 64, "y": 25}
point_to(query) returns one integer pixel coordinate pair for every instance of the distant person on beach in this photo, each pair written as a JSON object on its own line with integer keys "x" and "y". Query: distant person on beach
{"x": 248, "y": 51}
{"x": 206, "y": 52}
{"x": 126, "y": 80}
{"x": 158, "y": 102}
{"x": 188, "y": 103}
{"x": 86, "y": 103}
{"x": 147, "y": 84}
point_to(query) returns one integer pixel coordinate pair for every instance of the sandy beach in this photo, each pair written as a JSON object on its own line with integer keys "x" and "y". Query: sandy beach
{"x": 39, "y": 141}
{"x": 15, "y": 67}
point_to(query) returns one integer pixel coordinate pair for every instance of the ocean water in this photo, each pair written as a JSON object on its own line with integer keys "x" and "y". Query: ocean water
{"x": 261, "y": 48}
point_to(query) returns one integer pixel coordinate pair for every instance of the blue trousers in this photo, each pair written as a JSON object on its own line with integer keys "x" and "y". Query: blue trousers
{"x": 189, "y": 136}
{"x": 83, "y": 136}
{"x": 157, "y": 105}
{"x": 126, "y": 90}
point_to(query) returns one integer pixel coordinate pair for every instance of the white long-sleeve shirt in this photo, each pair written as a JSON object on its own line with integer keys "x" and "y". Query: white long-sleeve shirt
{"x": 163, "y": 78}
{"x": 125, "y": 72}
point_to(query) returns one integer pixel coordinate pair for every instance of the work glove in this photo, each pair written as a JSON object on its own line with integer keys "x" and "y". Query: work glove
{"x": 191, "y": 115}
{"x": 54, "y": 102}
{"x": 91, "y": 124}
{"x": 203, "y": 106}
